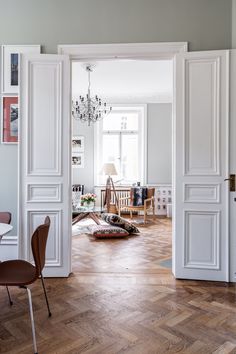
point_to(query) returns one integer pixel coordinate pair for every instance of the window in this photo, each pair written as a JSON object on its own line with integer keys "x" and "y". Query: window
{"x": 121, "y": 138}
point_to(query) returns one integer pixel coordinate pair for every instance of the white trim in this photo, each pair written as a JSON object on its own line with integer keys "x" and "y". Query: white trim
{"x": 165, "y": 50}
{"x": 9, "y": 240}
{"x": 143, "y": 51}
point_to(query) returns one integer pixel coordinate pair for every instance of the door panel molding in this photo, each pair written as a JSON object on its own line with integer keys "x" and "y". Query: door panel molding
{"x": 202, "y": 157}
{"x": 44, "y": 118}
{"x": 202, "y": 230}
{"x": 45, "y": 158}
{"x": 201, "y": 193}
{"x": 201, "y": 160}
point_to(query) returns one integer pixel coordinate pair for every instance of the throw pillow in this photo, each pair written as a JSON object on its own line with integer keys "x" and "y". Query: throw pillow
{"x": 107, "y": 231}
{"x": 116, "y": 220}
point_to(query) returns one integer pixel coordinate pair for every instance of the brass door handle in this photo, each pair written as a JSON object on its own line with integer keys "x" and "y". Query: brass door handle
{"x": 231, "y": 180}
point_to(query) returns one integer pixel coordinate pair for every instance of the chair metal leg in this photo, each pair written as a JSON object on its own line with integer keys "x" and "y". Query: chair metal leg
{"x": 46, "y": 298}
{"x": 9, "y": 296}
{"x": 32, "y": 320}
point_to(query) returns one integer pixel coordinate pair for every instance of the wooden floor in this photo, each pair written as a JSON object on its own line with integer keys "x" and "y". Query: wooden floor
{"x": 122, "y": 299}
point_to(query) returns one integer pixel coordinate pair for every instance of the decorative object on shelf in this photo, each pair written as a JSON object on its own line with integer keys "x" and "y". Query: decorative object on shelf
{"x": 77, "y": 160}
{"x": 78, "y": 144}
{"x": 88, "y": 200}
{"x": 77, "y": 191}
{"x": 109, "y": 169}
{"x": 9, "y": 120}
{"x": 10, "y": 65}
{"x": 89, "y": 109}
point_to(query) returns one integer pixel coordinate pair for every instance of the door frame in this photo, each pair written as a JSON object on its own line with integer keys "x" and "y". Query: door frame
{"x": 145, "y": 51}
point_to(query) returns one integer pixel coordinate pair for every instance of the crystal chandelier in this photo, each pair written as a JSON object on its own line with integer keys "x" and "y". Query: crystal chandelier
{"x": 89, "y": 109}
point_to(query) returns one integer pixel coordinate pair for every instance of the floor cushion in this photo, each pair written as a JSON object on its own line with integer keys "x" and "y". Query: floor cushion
{"x": 107, "y": 231}
{"x": 116, "y": 220}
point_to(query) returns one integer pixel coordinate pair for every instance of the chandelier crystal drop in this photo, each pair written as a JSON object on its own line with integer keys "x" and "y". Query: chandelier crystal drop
{"x": 87, "y": 108}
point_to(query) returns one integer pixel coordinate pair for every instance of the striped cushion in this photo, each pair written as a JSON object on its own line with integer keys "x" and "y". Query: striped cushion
{"x": 107, "y": 231}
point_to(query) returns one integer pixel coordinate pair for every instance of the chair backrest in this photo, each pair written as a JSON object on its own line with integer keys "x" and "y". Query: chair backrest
{"x": 5, "y": 217}
{"x": 150, "y": 194}
{"x": 139, "y": 194}
{"x": 39, "y": 243}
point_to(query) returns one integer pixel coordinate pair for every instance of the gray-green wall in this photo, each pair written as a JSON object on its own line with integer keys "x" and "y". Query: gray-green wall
{"x": 234, "y": 24}
{"x": 205, "y": 24}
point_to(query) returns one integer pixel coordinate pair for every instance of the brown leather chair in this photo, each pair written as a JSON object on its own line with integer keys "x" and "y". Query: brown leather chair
{"x": 5, "y": 217}
{"x": 21, "y": 273}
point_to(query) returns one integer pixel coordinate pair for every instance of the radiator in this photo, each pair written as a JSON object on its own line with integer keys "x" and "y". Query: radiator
{"x": 120, "y": 193}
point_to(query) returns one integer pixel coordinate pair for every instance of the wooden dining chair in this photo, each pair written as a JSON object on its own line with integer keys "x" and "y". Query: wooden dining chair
{"x": 22, "y": 273}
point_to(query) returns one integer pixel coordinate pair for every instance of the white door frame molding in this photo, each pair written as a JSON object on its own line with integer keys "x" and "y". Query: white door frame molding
{"x": 164, "y": 51}
{"x": 144, "y": 51}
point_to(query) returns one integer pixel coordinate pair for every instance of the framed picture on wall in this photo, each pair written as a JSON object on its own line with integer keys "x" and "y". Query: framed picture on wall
{"x": 77, "y": 160}
{"x": 10, "y": 65}
{"x": 9, "y": 126}
{"x": 77, "y": 144}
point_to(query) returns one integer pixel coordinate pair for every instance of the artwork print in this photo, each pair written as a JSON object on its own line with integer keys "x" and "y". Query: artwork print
{"x": 10, "y": 119}
{"x": 14, "y": 69}
{"x": 77, "y": 160}
{"x": 78, "y": 144}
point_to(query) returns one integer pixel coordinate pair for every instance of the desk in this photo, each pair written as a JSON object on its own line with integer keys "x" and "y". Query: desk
{"x": 4, "y": 229}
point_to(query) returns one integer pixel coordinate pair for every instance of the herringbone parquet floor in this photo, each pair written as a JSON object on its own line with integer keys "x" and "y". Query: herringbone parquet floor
{"x": 120, "y": 299}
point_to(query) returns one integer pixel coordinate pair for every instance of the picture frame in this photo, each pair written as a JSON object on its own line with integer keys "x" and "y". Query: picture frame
{"x": 10, "y": 65}
{"x": 77, "y": 160}
{"x": 78, "y": 144}
{"x": 10, "y": 120}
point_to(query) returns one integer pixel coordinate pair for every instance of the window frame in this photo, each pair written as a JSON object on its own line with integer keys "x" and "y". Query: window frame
{"x": 142, "y": 137}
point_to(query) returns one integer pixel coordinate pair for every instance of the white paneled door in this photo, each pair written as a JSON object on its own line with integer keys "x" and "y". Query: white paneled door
{"x": 44, "y": 157}
{"x": 201, "y": 231}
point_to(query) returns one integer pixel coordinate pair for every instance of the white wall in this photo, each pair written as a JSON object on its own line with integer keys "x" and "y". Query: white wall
{"x": 85, "y": 175}
{"x": 158, "y": 147}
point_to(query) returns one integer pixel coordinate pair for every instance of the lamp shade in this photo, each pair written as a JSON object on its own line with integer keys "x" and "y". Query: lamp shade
{"x": 109, "y": 169}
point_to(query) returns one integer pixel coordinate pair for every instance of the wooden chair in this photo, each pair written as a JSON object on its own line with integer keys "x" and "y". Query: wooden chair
{"x": 125, "y": 204}
{"x": 21, "y": 273}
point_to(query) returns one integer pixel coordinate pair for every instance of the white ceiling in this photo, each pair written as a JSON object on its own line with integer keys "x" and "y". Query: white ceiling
{"x": 122, "y": 81}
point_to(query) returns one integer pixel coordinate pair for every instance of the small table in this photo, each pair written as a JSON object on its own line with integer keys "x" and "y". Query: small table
{"x": 4, "y": 229}
{"x": 84, "y": 212}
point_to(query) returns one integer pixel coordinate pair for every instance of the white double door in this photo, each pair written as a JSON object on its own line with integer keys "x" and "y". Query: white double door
{"x": 201, "y": 156}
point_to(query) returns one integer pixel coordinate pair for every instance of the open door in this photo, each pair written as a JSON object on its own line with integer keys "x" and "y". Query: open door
{"x": 201, "y": 225}
{"x": 44, "y": 157}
